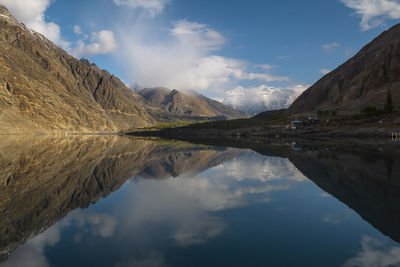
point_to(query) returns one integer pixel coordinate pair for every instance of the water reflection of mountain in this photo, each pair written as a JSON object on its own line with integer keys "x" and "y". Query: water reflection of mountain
{"x": 367, "y": 180}
{"x": 366, "y": 177}
{"x": 164, "y": 162}
{"x": 43, "y": 179}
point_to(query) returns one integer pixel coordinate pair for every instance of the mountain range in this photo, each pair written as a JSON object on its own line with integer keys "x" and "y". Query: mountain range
{"x": 44, "y": 89}
{"x": 189, "y": 103}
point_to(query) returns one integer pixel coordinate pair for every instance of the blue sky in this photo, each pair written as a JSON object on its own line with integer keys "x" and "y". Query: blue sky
{"x": 239, "y": 52}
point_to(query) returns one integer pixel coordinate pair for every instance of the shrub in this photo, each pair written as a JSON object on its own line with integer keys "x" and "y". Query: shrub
{"x": 321, "y": 113}
{"x": 369, "y": 110}
{"x": 388, "y": 108}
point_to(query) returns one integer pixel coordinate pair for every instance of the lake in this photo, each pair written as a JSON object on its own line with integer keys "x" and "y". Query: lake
{"x": 121, "y": 201}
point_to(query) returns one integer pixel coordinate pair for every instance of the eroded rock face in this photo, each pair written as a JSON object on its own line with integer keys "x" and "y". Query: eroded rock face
{"x": 44, "y": 89}
{"x": 43, "y": 179}
{"x": 362, "y": 81}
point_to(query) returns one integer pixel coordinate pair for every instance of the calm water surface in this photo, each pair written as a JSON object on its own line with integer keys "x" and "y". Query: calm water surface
{"x": 112, "y": 201}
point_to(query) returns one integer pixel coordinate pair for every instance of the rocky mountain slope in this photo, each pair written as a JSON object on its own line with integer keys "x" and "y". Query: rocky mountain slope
{"x": 190, "y": 103}
{"x": 44, "y": 89}
{"x": 362, "y": 81}
{"x": 219, "y": 108}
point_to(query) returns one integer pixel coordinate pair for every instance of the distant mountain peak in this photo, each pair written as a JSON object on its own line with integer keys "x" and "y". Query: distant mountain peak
{"x": 188, "y": 103}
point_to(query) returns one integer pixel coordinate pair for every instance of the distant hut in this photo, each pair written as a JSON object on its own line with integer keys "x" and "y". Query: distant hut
{"x": 296, "y": 123}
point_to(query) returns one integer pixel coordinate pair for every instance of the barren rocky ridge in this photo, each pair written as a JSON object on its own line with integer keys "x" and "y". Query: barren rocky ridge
{"x": 362, "y": 81}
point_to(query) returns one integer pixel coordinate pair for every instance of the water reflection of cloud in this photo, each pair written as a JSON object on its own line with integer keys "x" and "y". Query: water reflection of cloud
{"x": 330, "y": 218}
{"x": 32, "y": 253}
{"x": 99, "y": 224}
{"x": 153, "y": 259}
{"x": 174, "y": 203}
{"x": 375, "y": 253}
{"x": 257, "y": 167}
{"x": 189, "y": 205}
{"x": 324, "y": 195}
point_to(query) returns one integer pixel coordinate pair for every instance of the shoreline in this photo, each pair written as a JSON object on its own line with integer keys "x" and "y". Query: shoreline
{"x": 188, "y": 133}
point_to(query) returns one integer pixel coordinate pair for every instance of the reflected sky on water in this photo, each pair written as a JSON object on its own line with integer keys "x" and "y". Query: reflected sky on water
{"x": 236, "y": 208}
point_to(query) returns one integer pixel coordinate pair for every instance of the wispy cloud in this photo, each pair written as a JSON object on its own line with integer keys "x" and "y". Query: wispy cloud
{"x": 324, "y": 71}
{"x": 154, "y": 7}
{"x": 283, "y": 57}
{"x": 185, "y": 59}
{"x": 330, "y": 47}
{"x": 77, "y": 29}
{"x": 264, "y": 66}
{"x": 375, "y": 253}
{"x": 197, "y": 35}
{"x": 374, "y": 12}
{"x": 101, "y": 43}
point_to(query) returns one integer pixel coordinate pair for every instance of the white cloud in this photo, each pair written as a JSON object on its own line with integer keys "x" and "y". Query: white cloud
{"x": 77, "y": 29}
{"x": 374, "y": 12}
{"x": 264, "y": 66}
{"x": 196, "y": 34}
{"x": 324, "y": 71}
{"x": 31, "y": 13}
{"x": 330, "y": 47}
{"x": 267, "y": 97}
{"x": 184, "y": 60}
{"x": 153, "y": 6}
{"x": 375, "y": 253}
{"x": 102, "y": 42}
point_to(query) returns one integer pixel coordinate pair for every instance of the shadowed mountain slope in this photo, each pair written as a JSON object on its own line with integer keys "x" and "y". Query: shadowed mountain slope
{"x": 365, "y": 180}
{"x": 362, "y": 81}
